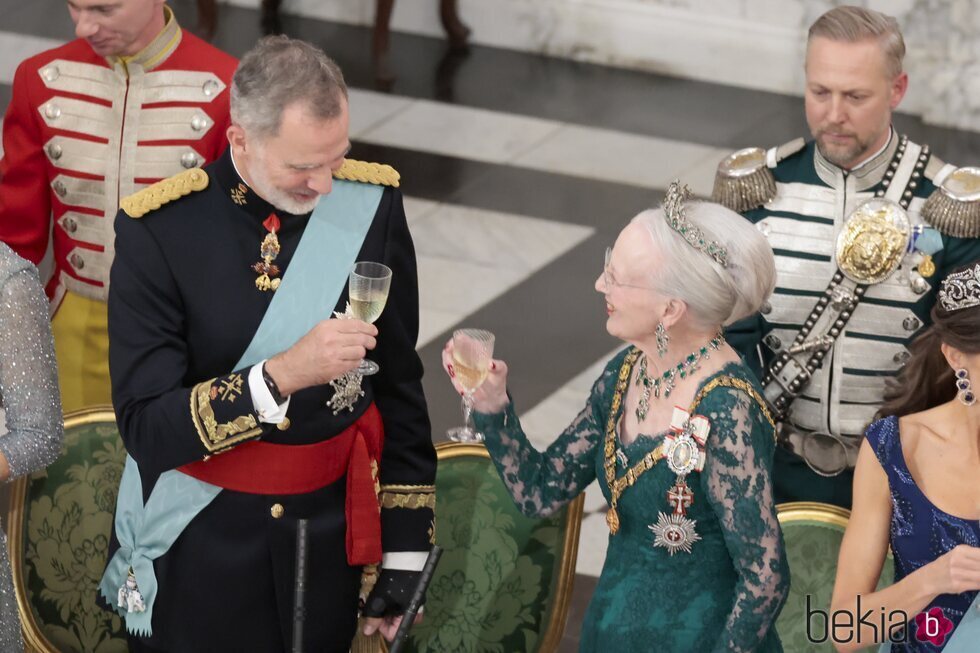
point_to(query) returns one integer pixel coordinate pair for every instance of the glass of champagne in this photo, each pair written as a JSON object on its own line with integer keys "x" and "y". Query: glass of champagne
{"x": 368, "y": 290}
{"x": 472, "y": 352}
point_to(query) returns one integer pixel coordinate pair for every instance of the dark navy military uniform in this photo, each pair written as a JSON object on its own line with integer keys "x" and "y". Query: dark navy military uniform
{"x": 183, "y": 307}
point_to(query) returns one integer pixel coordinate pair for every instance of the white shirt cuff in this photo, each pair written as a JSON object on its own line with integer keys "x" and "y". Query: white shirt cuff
{"x": 268, "y": 410}
{"x": 404, "y": 560}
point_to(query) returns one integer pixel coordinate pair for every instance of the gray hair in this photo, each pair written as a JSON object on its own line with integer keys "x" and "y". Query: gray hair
{"x": 851, "y": 24}
{"x": 714, "y": 295}
{"x": 278, "y": 72}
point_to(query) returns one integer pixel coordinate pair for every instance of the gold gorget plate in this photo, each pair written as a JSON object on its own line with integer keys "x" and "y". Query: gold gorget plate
{"x": 873, "y": 241}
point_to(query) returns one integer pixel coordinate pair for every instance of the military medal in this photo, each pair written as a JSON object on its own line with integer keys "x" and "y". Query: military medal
{"x": 268, "y": 271}
{"x": 675, "y": 533}
{"x": 684, "y": 445}
{"x": 684, "y": 451}
{"x": 346, "y": 388}
{"x": 926, "y": 267}
{"x": 129, "y": 595}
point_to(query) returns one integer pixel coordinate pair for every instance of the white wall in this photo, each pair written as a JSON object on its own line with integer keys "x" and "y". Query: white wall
{"x": 751, "y": 43}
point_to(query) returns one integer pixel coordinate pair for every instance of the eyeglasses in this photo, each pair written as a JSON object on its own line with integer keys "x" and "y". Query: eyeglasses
{"x": 610, "y": 280}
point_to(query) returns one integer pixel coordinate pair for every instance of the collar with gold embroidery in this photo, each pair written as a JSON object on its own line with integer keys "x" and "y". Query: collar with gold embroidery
{"x": 157, "y": 51}
{"x": 238, "y": 192}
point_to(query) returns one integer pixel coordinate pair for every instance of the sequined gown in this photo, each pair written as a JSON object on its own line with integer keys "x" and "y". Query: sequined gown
{"x": 725, "y": 594}
{"x": 29, "y": 394}
{"x": 920, "y": 532}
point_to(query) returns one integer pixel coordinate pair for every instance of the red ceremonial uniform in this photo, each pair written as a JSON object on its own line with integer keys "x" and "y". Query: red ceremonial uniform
{"x": 83, "y": 131}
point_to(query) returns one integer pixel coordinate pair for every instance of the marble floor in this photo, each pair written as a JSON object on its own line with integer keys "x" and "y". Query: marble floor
{"x": 518, "y": 171}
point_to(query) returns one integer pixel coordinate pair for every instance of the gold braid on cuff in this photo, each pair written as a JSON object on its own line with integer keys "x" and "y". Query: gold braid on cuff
{"x": 412, "y": 497}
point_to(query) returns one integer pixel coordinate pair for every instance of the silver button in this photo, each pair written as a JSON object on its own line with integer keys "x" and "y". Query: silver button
{"x": 50, "y": 73}
{"x": 77, "y": 261}
{"x": 188, "y": 160}
{"x": 198, "y": 123}
{"x": 902, "y": 357}
{"x": 54, "y": 151}
{"x": 51, "y": 111}
{"x": 763, "y": 228}
{"x": 70, "y": 225}
{"x": 766, "y": 309}
{"x": 59, "y": 188}
{"x": 210, "y": 88}
{"x": 773, "y": 342}
{"x": 919, "y": 285}
{"x": 911, "y": 323}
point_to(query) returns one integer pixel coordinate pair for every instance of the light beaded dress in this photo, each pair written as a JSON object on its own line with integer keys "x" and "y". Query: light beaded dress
{"x": 29, "y": 395}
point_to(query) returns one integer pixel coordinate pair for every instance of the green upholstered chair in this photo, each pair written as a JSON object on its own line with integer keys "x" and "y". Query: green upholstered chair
{"x": 504, "y": 581}
{"x": 813, "y": 533}
{"x": 59, "y": 524}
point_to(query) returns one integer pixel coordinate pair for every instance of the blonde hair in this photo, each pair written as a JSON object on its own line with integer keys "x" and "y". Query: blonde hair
{"x": 850, "y": 24}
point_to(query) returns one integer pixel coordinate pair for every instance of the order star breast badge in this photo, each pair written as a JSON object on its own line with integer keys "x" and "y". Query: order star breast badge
{"x": 347, "y": 388}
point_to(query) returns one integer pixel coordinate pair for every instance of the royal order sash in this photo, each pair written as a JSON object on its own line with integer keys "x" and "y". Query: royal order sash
{"x": 964, "y": 637}
{"x": 308, "y": 294}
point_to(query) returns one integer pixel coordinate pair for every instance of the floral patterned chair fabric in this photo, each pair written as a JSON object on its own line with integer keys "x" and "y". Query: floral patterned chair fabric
{"x": 813, "y": 533}
{"x": 59, "y": 524}
{"x": 504, "y": 581}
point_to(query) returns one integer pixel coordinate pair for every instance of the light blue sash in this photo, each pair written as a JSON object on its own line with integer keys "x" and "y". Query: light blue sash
{"x": 964, "y": 639}
{"x": 308, "y": 294}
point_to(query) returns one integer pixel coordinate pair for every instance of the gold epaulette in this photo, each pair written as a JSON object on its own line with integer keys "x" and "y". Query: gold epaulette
{"x": 153, "y": 197}
{"x": 954, "y": 207}
{"x": 370, "y": 173}
{"x": 744, "y": 180}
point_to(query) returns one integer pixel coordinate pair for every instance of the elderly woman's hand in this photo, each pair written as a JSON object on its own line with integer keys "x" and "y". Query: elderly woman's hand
{"x": 491, "y": 396}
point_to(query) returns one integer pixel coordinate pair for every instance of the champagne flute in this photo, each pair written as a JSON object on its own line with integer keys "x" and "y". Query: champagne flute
{"x": 368, "y": 290}
{"x": 472, "y": 352}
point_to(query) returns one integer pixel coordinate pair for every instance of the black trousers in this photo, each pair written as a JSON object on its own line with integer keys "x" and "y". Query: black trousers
{"x": 227, "y": 583}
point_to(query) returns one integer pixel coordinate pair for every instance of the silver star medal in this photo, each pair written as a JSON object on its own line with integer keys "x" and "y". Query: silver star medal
{"x": 674, "y": 532}
{"x": 347, "y": 388}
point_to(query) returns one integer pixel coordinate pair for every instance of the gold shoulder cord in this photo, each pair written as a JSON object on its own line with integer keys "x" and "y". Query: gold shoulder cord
{"x": 368, "y": 173}
{"x": 738, "y": 384}
{"x": 153, "y": 197}
{"x": 618, "y": 485}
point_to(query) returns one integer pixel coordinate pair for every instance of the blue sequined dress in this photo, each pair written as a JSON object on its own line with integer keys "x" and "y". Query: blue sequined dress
{"x": 920, "y": 532}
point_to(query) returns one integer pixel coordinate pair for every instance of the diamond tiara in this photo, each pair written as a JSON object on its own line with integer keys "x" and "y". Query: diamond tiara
{"x": 961, "y": 289}
{"x": 674, "y": 213}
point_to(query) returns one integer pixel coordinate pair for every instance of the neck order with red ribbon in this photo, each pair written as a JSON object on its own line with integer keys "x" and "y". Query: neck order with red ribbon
{"x": 267, "y": 270}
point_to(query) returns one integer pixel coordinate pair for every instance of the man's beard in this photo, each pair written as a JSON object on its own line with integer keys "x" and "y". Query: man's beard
{"x": 276, "y": 197}
{"x": 844, "y": 156}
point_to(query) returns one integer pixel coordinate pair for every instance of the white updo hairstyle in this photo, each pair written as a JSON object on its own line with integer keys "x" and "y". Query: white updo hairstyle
{"x": 714, "y": 295}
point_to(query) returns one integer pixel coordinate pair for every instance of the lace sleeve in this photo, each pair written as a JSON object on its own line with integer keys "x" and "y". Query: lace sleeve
{"x": 28, "y": 376}
{"x": 738, "y": 482}
{"x": 541, "y": 483}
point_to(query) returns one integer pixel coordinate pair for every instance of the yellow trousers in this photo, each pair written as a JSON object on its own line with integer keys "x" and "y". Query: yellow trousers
{"x": 81, "y": 343}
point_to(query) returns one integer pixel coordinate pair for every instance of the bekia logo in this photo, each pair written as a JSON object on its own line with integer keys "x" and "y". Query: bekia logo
{"x": 932, "y": 626}
{"x": 842, "y": 626}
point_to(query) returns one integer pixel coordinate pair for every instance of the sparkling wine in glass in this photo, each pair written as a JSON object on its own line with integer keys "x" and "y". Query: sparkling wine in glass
{"x": 472, "y": 353}
{"x": 368, "y": 284}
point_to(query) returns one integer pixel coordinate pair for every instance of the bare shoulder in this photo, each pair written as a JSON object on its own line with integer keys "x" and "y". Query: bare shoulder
{"x": 925, "y": 429}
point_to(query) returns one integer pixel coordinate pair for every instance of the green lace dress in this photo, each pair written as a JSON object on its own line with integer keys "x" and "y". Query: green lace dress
{"x": 725, "y": 594}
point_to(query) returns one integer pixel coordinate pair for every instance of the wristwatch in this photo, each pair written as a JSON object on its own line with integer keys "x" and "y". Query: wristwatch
{"x": 273, "y": 388}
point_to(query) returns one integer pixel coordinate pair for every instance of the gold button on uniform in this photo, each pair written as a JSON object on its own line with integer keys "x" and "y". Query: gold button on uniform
{"x": 284, "y": 424}
{"x": 277, "y": 510}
